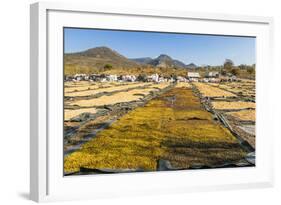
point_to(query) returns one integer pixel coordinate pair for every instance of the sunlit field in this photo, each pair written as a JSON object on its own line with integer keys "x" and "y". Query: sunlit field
{"x": 173, "y": 127}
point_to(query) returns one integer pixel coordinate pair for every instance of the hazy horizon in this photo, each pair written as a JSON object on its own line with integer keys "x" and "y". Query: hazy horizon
{"x": 199, "y": 49}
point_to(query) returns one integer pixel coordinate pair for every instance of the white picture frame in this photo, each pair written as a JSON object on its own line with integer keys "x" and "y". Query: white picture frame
{"x": 46, "y": 173}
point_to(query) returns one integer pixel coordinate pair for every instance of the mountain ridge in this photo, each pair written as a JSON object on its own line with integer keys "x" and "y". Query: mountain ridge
{"x": 101, "y": 59}
{"x": 163, "y": 60}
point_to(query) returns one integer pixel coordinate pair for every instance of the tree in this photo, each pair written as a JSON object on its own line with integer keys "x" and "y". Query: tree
{"x": 142, "y": 77}
{"x": 107, "y": 66}
{"x": 228, "y": 64}
{"x": 251, "y": 70}
{"x": 223, "y": 72}
{"x": 243, "y": 67}
{"x": 235, "y": 71}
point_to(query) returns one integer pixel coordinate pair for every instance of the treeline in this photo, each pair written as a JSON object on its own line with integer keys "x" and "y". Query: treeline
{"x": 228, "y": 67}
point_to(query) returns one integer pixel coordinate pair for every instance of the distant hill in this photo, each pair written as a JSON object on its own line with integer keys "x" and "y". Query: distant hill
{"x": 96, "y": 59}
{"x": 106, "y": 60}
{"x": 180, "y": 64}
{"x": 145, "y": 60}
{"x": 163, "y": 61}
{"x": 191, "y": 66}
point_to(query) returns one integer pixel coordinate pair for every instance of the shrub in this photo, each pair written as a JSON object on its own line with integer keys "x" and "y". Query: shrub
{"x": 107, "y": 66}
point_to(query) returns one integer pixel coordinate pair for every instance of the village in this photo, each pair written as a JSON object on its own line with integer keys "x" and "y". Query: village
{"x": 209, "y": 77}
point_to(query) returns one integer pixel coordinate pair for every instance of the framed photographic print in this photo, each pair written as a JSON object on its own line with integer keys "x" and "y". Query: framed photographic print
{"x": 128, "y": 101}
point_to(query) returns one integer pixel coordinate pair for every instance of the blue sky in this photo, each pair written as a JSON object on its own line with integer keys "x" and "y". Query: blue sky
{"x": 189, "y": 48}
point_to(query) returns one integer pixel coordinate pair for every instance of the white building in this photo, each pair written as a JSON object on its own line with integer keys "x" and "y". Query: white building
{"x": 181, "y": 79}
{"x": 111, "y": 78}
{"x": 153, "y": 78}
{"x": 193, "y": 76}
{"x": 79, "y": 77}
{"x": 213, "y": 74}
{"x": 129, "y": 78}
